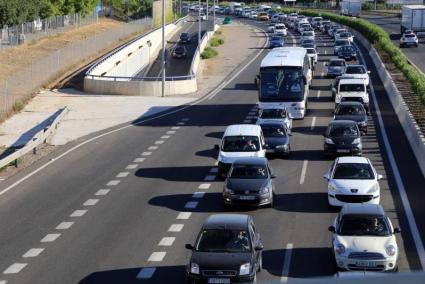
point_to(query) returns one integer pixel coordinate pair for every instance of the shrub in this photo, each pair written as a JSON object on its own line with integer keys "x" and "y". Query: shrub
{"x": 216, "y": 41}
{"x": 208, "y": 53}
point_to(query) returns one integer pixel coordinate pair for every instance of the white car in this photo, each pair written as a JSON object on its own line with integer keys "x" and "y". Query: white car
{"x": 345, "y": 35}
{"x": 357, "y": 71}
{"x": 280, "y": 29}
{"x": 408, "y": 40}
{"x": 275, "y": 114}
{"x": 364, "y": 239}
{"x": 352, "y": 90}
{"x": 253, "y": 15}
{"x": 312, "y": 54}
{"x": 337, "y": 32}
{"x": 352, "y": 180}
{"x": 270, "y": 28}
{"x": 307, "y": 35}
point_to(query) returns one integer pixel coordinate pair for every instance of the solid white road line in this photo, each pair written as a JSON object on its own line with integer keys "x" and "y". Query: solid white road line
{"x": 313, "y": 123}
{"x": 326, "y": 52}
{"x": 90, "y": 202}
{"x": 198, "y": 194}
{"x": 146, "y": 273}
{"x": 191, "y": 204}
{"x": 152, "y": 148}
{"x": 78, "y": 213}
{"x": 15, "y": 268}
{"x": 204, "y": 186}
{"x": 131, "y": 167}
{"x": 184, "y": 215}
{"x": 64, "y": 225}
{"x": 175, "y": 128}
{"x": 34, "y": 252}
{"x": 165, "y": 136}
{"x": 122, "y": 175}
{"x": 157, "y": 256}
{"x": 159, "y": 142}
{"x": 176, "y": 228}
{"x": 318, "y": 93}
{"x": 50, "y": 238}
{"x": 167, "y": 241}
{"x": 171, "y": 132}
{"x": 113, "y": 183}
{"x": 210, "y": 178}
{"x": 324, "y": 63}
{"x": 146, "y": 153}
{"x": 3, "y": 281}
{"x": 286, "y": 263}
{"x": 303, "y": 171}
{"x": 139, "y": 160}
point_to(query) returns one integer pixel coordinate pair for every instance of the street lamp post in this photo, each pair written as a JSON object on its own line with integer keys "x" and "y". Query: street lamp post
{"x": 163, "y": 49}
{"x": 199, "y": 26}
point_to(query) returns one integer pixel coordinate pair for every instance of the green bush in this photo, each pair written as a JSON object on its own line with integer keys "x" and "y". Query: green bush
{"x": 216, "y": 41}
{"x": 208, "y": 53}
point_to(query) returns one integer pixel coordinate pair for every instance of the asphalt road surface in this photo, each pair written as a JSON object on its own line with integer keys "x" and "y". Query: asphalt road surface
{"x": 119, "y": 207}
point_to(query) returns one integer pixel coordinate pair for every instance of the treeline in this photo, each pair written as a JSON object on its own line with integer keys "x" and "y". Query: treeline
{"x": 125, "y": 9}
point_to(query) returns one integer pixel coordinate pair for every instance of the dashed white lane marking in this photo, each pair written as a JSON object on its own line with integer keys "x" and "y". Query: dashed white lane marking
{"x": 313, "y": 123}
{"x": 286, "y": 263}
{"x": 216, "y": 163}
{"x": 209, "y": 178}
{"x": 165, "y": 136}
{"x": 180, "y": 123}
{"x": 131, "y": 167}
{"x": 102, "y": 192}
{"x": 3, "y": 281}
{"x": 50, "y": 238}
{"x": 146, "y": 273}
{"x": 318, "y": 93}
{"x": 184, "y": 215}
{"x": 15, "y": 268}
{"x": 34, "y": 252}
{"x": 214, "y": 170}
{"x": 247, "y": 121}
{"x": 139, "y": 160}
{"x": 322, "y": 74}
{"x": 326, "y": 52}
{"x": 167, "y": 241}
{"x": 170, "y": 132}
{"x": 175, "y": 228}
{"x": 250, "y": 117}
{"x": 324, "y": 44}
{"x": 146, "y": 153}
{"x": 324, "y": 63}
{"x": 122, "y": 174}
{"x": 91, "y": 202}
{"x": 204, "y": 186}
{"x": 175, "y": 128}
{"x": 64, "y": 225}
{"x": 185, "y": 119}
{"x": 113, "y": 182}
{"x": 252, "y": 113}
{"x": 198, "y": 194}
{"x": 159, "y": 142}
{"x": 151, "y": 148}
{"x": 78, "y": 213}
{"x": 191, "y": 204}
{"x": 157, "y": 256}
{"x": 303, "y": 171}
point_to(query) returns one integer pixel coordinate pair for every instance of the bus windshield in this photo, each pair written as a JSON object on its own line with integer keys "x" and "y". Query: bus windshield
{"x": 280, "y": 84}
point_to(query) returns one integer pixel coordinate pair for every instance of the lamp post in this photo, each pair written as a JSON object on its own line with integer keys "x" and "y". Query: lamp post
{"x": 199, "y": 26}
{"x": 163, "y": 50}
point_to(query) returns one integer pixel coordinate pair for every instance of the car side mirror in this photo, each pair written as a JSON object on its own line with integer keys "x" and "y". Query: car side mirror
{"x": 331, "y": 229}
{"x": 216, "y": 147}
{"x": 380, "y": 177}
{"x": 189, "y": 246}
{"x": 397, "y": 230}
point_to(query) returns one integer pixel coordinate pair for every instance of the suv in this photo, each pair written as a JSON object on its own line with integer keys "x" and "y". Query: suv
{"x": 408, "y": 40}
{"x": 184, "y": 38}
{"x": 227, "y": 250}
{"x": 352, "y": 90}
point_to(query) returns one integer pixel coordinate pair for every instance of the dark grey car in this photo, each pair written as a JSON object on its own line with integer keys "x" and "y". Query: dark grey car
{"x": 336, "y": 67}
{"x": 249, "y": 183}
{"x": 227, "y": 250}
{"x": 342, "y": 137}
{"x": 276, "y": 136}
{"x": 354, "y": 111}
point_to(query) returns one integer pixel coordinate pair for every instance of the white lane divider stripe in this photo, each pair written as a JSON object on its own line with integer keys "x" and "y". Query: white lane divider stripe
{"x": 157, "y": 256}
{"x": 159, "y": 142}
{"x": 326, "y": 52}
{"x": 113, "y": 183}
{"x": 185, "y": 119}
{"x": 122, "y": 175}
{"x": 146, "y": 273}
{"x": 303, "y": 171}
{"x": 180, "y": 123}
{"x": 64, "y": 225}
{"x": 209, "y": 178}
{"x": 152, "y": 148}
{"x": 191, "y": 204}
{"x": 165, "y": 136}
{"x": 78, "y": 213}
{"x": 102, "y": 192}
{"x": 176, "y": 228}
{"x": 171, "y": 132}
{"x": 90, "y": 202}
{"x": 184, "y": 215}
{"x": 131, "y": 167}
{"x": 166, "y": 241}
{"x": 15, "y": 268}
{"x": 139, "y": 160}
{"x": 34, "y": 252}
{"x": 216, "y": 163}
{"x": 175, "y": 128}
{"x": 318, "y": 93}
{"x": 50, "y": 238}
{"x": 198, "y": 194}
{"x": 286, "y": 263}
{"x": 313, "y": 123}
{"x": 247, "y": 121}
{"x": 3, "y": 281}
{"x": 204, "y": 186}
{"x": 146, "y": 153}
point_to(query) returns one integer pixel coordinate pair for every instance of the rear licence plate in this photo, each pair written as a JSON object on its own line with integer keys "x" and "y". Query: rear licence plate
{"x": 246, "y": 197}
{"x": 366, "y": 264}
{"x": 343, "y": 150}
{"x": 218, "y": 280}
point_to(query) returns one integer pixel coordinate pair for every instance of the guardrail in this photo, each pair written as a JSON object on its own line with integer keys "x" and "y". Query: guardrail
{"x": 39, "y": 138}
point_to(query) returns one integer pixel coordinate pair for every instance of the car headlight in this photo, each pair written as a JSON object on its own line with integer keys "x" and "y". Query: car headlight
{"x": 245, "y": 269}
{"x": 194, "y": 268}
{"x": 265, "y": 190}
{"x": 332, "y": 187}
{"x": 329, "y": 141}
{"x": 339, "y": 249}
{"x": 373, "y": 189}
{"x": 391, "y": 250}
{"x": 356, "y": 141}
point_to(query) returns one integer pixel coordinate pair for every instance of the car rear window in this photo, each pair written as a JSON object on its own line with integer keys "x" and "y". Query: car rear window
{"x": 273, "y": 114}
{"x": 351, "y": 88}
{"x": 355, "y": 70}
{"x": 350, "y": 110}
{"x": 337, "y": 63}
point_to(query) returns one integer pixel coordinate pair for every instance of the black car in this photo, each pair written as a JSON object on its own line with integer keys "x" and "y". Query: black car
{"x": 184, "y": 38}
{"x": 354, "y": 111}
{"x": 180, "y": 52}
{"x": 249, "y": 182}
{"x": 347, "y": 52}
{"x": 276, "y": 136}
{"x": 342, "y": 137}
{"x": 227, "y": 250}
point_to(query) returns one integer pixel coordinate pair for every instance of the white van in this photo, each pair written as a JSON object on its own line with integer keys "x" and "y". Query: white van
{"x": 240, "y": 140}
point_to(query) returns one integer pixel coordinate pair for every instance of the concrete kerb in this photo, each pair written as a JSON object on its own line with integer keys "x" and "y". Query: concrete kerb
{"x": 410, "y": 127}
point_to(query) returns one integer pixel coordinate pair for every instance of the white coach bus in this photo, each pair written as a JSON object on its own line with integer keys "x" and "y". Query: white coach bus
{"x": 284, "y": 80}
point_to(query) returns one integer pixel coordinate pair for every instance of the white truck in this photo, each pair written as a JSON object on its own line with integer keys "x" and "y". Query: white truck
{"x": 351, "y": 8}
{"x": 413, "y": 18}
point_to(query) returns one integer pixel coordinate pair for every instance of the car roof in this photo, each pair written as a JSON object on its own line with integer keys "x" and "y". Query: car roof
{"x": 351, "y": 81}
{"x": 284, "y": 56}
{"x": 243, "y": 129}
{"x": 362, "y": 209}
{"x": 352, "y": 160}
{"x": 257, "y": 161}
{"x": 342, "y": 121}
{"x": 227, "y": 221}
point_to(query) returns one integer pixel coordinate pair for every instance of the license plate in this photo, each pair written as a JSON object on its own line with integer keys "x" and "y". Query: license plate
{"x": 343, "y": 150}
{"x": 246, "y": 197}
{"x": 218, "y": 280}
{"x": 366, "y": 263}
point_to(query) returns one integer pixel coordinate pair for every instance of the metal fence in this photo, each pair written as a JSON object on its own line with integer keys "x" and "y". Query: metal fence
{"x": 18, "y": 87}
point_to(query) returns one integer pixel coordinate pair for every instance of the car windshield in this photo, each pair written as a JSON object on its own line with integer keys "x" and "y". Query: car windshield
{"x": 342, "y": 42}
{"x": 308, "y": 34}
{"x": 334, "y": 63}
{"x": 281, "y": 84}
{"x": 273, "y": 113}
{"x": 351, "y": 88}
{"x": 273, "y": 130}
{"x": 241, "y": 144}
{"x": 222, "y": 240}
{"x": 279, "y": 27}
{"x": 249, "y": 172}
{"x": 347, "y": 48}
{"x": 409, "y": 35}
{"x": 363, "y": 225}
{"x": 353, "y": 171}
{"x": 355, "y": 70}
{"x": 350, "y": 110}
{"x": 343, "y": 130}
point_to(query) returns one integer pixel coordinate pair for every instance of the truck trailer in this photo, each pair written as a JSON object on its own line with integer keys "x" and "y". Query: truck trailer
{"x": 351, "y": 8}
{"x": 413, "y": 18}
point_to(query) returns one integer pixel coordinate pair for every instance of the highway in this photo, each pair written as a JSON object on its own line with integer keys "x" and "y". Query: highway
{"x": 391, "y": 24}
{"x": 118, "y": 206}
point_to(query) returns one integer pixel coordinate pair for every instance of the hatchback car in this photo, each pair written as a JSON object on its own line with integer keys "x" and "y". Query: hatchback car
{"x": 276, "y": 135}
{"x": 184, "y": 38}
{"x": 308, "y": 43}
{"x": 358, "y": 71}
{"x": 180, "y": 52}
{"x": 275, "y": 114}
{"x": 409, "y": 40}
{"x": 312, "y": 54}
{"x": 346, "y": 35}
{"x": 354, "y": 111}
{"x": 336, "y": 67}
{"x": 249, "y": 182}
{"x": 339, "y": 43}
{"x": 363, "y": 238}
{"x": 307, "y": 35}
{"x": 342, "y": 137}
{"x": 276, "y": 41}
{"x": 347, "y": 52}
{"x": 227, "y": 250}
{"x": 352, "y": 180}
